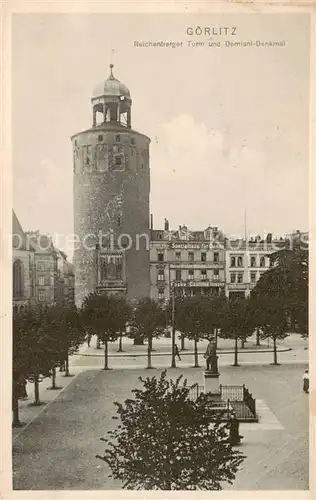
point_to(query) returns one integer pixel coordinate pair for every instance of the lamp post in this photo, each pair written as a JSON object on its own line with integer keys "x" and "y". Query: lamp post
{"x": 173, "y": 325}
{"x": 173, "y": 333}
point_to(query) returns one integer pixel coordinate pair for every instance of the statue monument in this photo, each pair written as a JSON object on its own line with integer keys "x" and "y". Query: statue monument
{"x": 211, "y": 374}
{"x": 211, "y": 357}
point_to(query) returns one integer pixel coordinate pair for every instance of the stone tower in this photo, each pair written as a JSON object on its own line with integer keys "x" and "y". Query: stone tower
{"x": 111, "y": 198}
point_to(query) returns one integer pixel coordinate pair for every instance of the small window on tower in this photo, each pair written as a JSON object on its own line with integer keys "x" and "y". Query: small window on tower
{"x": 118, "y": 160}
{"x": 133, "y": 141}
{"x": 76, "y": 142}
{"x": 118, "y": 138}
{"x": 100, "y": 138}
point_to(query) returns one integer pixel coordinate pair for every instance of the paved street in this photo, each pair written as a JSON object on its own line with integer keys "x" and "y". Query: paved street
{"x": 57, "y": 450}
{"x": 292, "y": 350}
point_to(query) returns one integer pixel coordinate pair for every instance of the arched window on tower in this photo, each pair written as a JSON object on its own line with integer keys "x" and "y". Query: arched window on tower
{"x": 18, "y": 281}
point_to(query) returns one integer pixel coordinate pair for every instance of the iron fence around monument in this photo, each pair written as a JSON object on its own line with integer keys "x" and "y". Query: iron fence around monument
{"x": 232, "y": 398}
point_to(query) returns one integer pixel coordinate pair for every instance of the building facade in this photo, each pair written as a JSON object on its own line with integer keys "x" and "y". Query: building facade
{"x": 188, "y": 262}
{"x": 246, "y": 261}
{"x": 111, "y": 198}
{"x": 23, "y": 267}
{"x": 45, "y": 263}
{"x": 41, "y": 273}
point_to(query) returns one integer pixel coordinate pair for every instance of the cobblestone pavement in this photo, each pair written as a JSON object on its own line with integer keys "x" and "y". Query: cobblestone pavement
{"x": 57, "y": 449}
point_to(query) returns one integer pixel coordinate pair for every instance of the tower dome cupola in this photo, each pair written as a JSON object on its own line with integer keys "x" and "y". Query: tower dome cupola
{"x": 111, "y": 102}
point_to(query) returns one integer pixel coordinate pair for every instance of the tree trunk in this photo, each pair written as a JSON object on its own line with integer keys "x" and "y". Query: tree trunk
{"x": 258, "y": 337}
{"x": 36, "y": 390}
{"x": 106, "y": 363}
{"x": 236, "y": 352}
{"x": 275, "y": 358}
{"x": 54, "y": 378}
{"x": 15, "y": 405}
{"x": 120, "y": 349}
{"x": 182, "y": 343}
{"x": 149, "y": 349}
{"x": 138, "y": 340}
{"x": 67, "y": 374}
{"x": 196, "y": 357}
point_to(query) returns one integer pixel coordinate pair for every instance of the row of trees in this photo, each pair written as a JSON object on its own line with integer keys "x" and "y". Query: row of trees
{"x": 43, "y": 338}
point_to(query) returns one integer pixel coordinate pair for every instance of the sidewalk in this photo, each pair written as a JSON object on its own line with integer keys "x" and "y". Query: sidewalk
{"x": 162, "y": 346}
{"x": 28, "y": 412}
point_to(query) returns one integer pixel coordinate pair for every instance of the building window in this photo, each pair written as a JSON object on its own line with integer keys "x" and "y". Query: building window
{"x": 233, "y": 262}
{"x": 161, "y": 275}
{"x": 216, "y": 274}
{"x": 239, "y": 261}
{"x": 178, "y": 255}
{"x": 203, "y": 274}
{"x": 18, "y": 282}
{"x": 118, "y": 138}
{"x": 160, "y": 256}
{"x": 253, "y": 277}
{"x": 253, "y": 261}
{"x": 262, "y": 262}
{"x": 191, "y": 274}
{"x": 178, "y": 274}
{"x": 233, "y": 277}
{"x": 119, "y": 220}
{"x": 41, "y": 295}
{"x": 100, "y": 138}
{"x": 161, "y": 295}
{"x": 41, "y": 281}
{"x": 216, "y": 257}
{"x": 240, "y": 277}
{"x": 41, "y": 266}
{"x": 76, "y": 142}
{"x": 203, "y": 256}
{"x": 191, "y": 256}
{"x": 118, "y": 160}
{"x": 133, "y": 141}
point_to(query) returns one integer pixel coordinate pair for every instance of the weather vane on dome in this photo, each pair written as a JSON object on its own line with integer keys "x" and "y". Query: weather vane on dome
{"x": 111, "y": 62}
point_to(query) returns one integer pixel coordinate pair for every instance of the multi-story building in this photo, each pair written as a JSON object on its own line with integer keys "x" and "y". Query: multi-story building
{"x": 46, "y": 257}
{"x": 190, "y": 262}
{"x": 111, "y": 198}
{"x": 246, "y": 261}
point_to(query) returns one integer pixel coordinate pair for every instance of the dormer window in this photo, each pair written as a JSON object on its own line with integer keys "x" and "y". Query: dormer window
{"x": 100, "y": 138}
{"x": 118, "y": 138}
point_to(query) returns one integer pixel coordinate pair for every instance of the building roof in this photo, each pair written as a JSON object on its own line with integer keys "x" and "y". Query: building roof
{"x": 18, "y": 235}
{"x": 111, "y": 87}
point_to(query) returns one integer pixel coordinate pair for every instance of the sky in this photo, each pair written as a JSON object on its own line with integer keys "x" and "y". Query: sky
{"x": 228, "y": 125}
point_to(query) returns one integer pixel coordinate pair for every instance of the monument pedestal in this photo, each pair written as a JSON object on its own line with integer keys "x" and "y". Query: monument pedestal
{"x": 211, "y": 384}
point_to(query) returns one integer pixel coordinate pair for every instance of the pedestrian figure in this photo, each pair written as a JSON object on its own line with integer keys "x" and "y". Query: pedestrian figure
{"x": 176, "y": 351}
{"x": 89, "y": 339}
{"x": 306, "y": 382}
{"x": 234, "y": 435}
